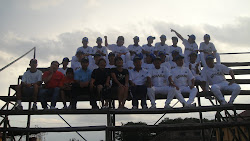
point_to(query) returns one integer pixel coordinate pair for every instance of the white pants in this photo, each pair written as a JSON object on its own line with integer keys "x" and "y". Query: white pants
{"x": 166, "y": 90}
{"x": 192, "y": 94}
{"x": 234, "y": 88}
{"x": 203, "y": 57}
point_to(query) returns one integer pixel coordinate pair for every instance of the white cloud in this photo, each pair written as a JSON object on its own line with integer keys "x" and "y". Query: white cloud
{"x": 43, "y": 4}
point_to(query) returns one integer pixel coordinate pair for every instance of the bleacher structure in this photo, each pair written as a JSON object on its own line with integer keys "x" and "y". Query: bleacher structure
{"x": 225, "y": 117}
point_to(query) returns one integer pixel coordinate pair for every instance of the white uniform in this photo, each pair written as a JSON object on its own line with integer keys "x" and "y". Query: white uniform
{"x": 208, "y": 50}
{"x": 87, "y": 50}
{"x": 150, "y": 49}
{"x": 189, "y": 48}
{"x": 75, "y": 64}
{"x": 103, "y": 49}
{"x": 159, "y": 78}
{"x": 138, "y": 78}
{"x": 167, "y": 65}
{"x": 215, "y": 77}
{"x": 136, "y": 49}
{"x": 193, "y": 70}
{"x": 148, "y": 67}
{"x": 181, "y": 77}
{"x": 163, "y": 48}
{"x": 172, "y": 48}
{"x": 129, "y": 65}
{"x": 172, "y": 64}
{"x": 120, "y": 49}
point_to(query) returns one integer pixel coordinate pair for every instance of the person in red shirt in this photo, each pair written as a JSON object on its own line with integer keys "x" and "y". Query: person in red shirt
{"x": 52, "y": 79}
{"x": 66, "y": 86}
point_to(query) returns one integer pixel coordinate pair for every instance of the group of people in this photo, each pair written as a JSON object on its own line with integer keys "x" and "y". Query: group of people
{"x": 143, "y": 71}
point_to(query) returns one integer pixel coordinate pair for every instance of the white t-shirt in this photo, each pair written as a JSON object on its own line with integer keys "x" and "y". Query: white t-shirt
{"x": 172, "y": 64}
{"x": 181, "y": 76}
{"x": 136, "y": 49}
{"x": 207, "y": 48}
{"x": 215, "y": 75}
{"x": 87, "y": 50}
{"x": 172, "y": 48}
{"x": 129, "y": 65}
{"x": 189, "y": 48}
{"x": 193, "y": 68}
{"x": 117, "y": 49}
{"x": 139, "y": 78}
{"x": 103, "y": 49}
{"x": 159, "y": 77}
{"x": 148, "y": 48}
{"x": 29, "y": 77}
{"x": 165, "y": 48}
{"x": 166, "y": 64}
{"x": 63, "y": 71}
{"x": 75, "y": 64}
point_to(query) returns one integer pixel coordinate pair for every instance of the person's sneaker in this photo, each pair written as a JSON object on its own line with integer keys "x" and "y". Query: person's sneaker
{"x": 153, "y": 107}
{"x": 134, "y": 107}
{"x": 190, "y": 105}
{"x": 167, "y": 107}
{"x": 53, "y": 108}
{"x": 34, "y": 107}
{"x": 19, "y": 107}
{"x": 144, "y": 107}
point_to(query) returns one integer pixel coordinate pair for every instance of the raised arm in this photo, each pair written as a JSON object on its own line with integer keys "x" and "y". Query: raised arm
{"x": 177, "y": 34}
{"x": 106, "y": 41}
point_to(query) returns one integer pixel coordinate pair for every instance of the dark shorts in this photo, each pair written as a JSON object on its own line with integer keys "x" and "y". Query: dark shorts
{"x": 27, "y": 92}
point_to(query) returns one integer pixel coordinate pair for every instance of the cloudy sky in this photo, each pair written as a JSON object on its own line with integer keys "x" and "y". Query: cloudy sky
{"x": 56, "y": 28}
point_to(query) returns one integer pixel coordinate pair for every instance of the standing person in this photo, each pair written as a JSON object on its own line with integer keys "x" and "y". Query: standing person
{"x": 158, "y": 78}
{"x": 184, "y": 82}
{"x": 120, "y": 78}
{"x": 76, "y": 61}
{"x": 214, "y": 74}
{"x": 65, "y": 63}
{"x": 135, "y": 49}
{"x": 30, "y": 85}
{"x": 118, "y": 49}
{"x": 99, "y": 83}
{"x": 66, "y": 86}
{"x": 85, "y": 49}
{"x": 138, "y": 82}
{"x": 148, "y": 48}
{"x": 99, "y": 49}
{"x": 208, "y": 48}
{"x": 52, "y": 79}
{"x": 175, "y": 46}
{"x": 190, "y": 45}
{"x": 81, "y": 86}
{"x": 162, "y": 46}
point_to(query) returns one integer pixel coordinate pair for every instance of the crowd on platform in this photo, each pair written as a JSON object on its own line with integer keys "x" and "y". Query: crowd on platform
{"x": 114, "y": 70}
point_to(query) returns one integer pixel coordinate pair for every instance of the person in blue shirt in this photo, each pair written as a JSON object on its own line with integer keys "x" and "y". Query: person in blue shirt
{"x": 82, "y": 78}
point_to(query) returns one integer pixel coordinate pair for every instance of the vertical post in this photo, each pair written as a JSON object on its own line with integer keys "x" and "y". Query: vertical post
{"x": 113, "y": 132}
{"x": 34, "y": 52}
{"x": 201, "y": 119}
{"x": 108, "y": 136}
{"x": 28, "y": 123}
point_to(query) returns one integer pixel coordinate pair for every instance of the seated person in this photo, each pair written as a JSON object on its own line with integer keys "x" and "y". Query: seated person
{"x": 172, "y": 61}
{"x": 138, "y": 79}
{"x": 76, "y": 61}
{"x": 148, "y": 65}
{"x": 157, "y": 79}
{"x": 184, "y": 81}
{"x": 162, "y": 46}
{"x": 213, "y": 75}
{"x": 120, "y": 79}
{"x": 82, "y": 81}
{"x": 66, "y": 86}
{"x": 30, "y": 85}
{"x": 135, "y": 48}
{"x": 52, "y": 79}
{"x": 111, "y": 61}
{"x": 94, "y": 65}
{"x": 208, "y": 48}
{"x": 148, "y": 48}
{"x": 99, "y": 83}
{"x": 194, "y": 66}
{"x": 164, "y": 61}
{"x": 99, "y": 49}
{"x": 65, "y": 63}
{"x": 85, "y": 49}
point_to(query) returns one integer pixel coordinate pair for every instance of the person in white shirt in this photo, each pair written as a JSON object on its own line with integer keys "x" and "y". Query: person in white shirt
{"x": 172, "y": 61}
{"x": 148, "y": 48}
{"x": 118, "y": 49}
{"x": 93, "y": 66}
{"x": 174, "y": 46}
{"x": 99, "y": 48}
{"x": 164, "y": 60}
{"x": 195, "y": 67}
{"x": 158, "y": 84}
{"x": 65, "y": 63}
{"x": 135, "y": 49}
{"x": 30, "y": 85}
{"x": 148, "y": 65}
{"x": 214, "y": 74}
{"x": 111, "y": 61}
{"x": 76, "y": 61}
{"x": 184, "y": 82}
{"x": 138, "y": 83}
{"x": 208, "y": 48}
{"x": 87, "y": 50}
{"x": 162, "y": 46}
{"x": 190, "y": 45}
